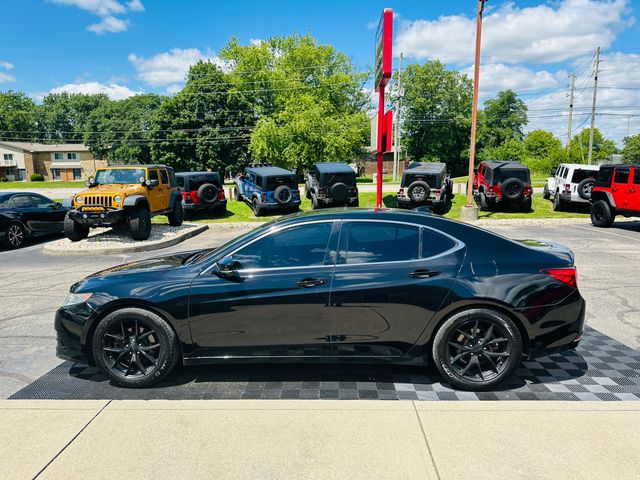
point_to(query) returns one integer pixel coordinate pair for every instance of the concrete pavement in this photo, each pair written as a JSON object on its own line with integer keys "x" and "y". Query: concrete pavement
{"x": 318, "y": 439}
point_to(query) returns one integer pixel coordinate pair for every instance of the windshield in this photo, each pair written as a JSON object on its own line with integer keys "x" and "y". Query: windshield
{"x": 120, "y": 175}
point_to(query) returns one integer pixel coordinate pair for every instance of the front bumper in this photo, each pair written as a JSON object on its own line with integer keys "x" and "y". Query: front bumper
{"x": 68, "y": 337}
{"x": 98, "y": 218}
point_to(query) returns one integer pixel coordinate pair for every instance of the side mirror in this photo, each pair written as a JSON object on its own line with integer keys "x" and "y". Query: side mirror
{"x": 57, "y": 205}
{"x": 227, "y": 268}
{"x": 151, "y": 183}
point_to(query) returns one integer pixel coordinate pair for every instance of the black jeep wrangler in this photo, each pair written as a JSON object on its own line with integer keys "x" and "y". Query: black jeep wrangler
{"x": 502, "y": 184}
{"x": 331, "y": 183}
{"x": 425, "y": 184}
{"x": 202, "y": 191}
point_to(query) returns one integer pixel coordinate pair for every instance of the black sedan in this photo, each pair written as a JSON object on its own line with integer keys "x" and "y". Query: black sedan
{"x": 332, "y": 286}
{"x": 25, "y": 215}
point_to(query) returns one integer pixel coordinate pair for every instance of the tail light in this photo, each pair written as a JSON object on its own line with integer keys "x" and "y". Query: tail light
{"x": 194, "y": 197}
{"x": 322, "y": 192}
{"x": 221, "y": 194}
{"x": 401, "y": 192}
{"x": 567, "y": 187}
{"x": 566, "y": 275}
{"x": 264, "y": 197}
{"x": 528, "y": 190}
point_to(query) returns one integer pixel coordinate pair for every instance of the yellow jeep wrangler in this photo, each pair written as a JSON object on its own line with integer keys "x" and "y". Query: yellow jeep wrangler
{"x": 126, "y": 196}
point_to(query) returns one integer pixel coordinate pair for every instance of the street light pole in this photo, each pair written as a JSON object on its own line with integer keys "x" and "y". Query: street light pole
{"x": 470, "y": 212}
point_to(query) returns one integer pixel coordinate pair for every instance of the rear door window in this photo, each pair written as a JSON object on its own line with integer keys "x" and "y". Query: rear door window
{"x": 579, "y": 175}
{"x": 621, "y": 176}
{"x": 375, "y": 242}
{"x": 434, "y": 244}
{"x": 165, "y": 177}
{"x": 636, "y": 176}
{"x": 21, "y": 201}
{"x": 153, "y": 175}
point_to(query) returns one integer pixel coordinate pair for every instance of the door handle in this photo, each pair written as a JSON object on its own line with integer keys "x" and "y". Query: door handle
{"x": 424, "y": 273}
{"x": 309, "y": 282}
{"x": 632, "y": 189}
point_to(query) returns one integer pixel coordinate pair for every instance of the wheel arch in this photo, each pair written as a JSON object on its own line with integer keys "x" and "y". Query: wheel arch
{"x": 175, "y": 195}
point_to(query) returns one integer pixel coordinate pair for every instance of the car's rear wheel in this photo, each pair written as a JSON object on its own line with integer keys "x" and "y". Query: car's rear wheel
{"x": 236, "y": 194}
{"x": 526, "y": 205}
{"x": 558, "y": 203}
{"x": 257, "y": 209}
{"x": 73, "y": 230}
{"x": 601, "y": 215}
{"x": 177, "y": 214}
{"x": 15, "y": 236}
{"x": 314, "y": 202}
{"x": 135, "y": 348}
{"x": 546, "y": 194}
{"x": 140, "y": 223}
{"x": 482, "y": 201}
{"x": 477, "y": 349}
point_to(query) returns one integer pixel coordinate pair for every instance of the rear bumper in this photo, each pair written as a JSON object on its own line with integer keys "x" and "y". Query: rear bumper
{"x": 406, "y": 203}
{"x": 196, "y": 207}
{"x": 506, "y": 201}
{"x": 331, "y": 201}
{"x": 97, "y": 219}
{"x": 280, "y": 206}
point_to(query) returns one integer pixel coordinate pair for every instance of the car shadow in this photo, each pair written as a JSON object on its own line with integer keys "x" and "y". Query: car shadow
{"x": 632, "y": 226}
{"x": 33, "y": 241}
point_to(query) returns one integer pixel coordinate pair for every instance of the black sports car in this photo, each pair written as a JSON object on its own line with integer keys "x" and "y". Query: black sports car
{"x": 353, "y": 285}
{"x": 24, "y": 215}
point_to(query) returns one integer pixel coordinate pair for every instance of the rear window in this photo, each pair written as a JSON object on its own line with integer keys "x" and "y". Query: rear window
{"x": 500, "y": 175}
{"x": 274, "y": 182}
{"x": 331, "y": 178}
{"x": 195, "y": 182}
{"x": 430, "y": 178}
{"x": 579, "y": 175}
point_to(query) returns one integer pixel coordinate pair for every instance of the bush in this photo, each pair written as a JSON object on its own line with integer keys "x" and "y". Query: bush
{"x": 36, "y": 177}
{"x": 4, "y": 179}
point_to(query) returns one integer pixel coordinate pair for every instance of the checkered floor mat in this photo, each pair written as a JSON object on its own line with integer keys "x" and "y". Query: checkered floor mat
{"x": 600, "y": 369}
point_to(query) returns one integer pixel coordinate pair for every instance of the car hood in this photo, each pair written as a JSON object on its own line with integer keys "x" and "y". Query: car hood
{"x": 162, "y": 263}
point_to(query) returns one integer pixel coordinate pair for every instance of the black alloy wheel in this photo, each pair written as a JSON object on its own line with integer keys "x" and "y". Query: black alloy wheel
{"x": 477, "y": 349}
{"x": 513, "y": 189}
{"x": 15, "y": 236}
{"x": 134, "y": 347}
{"x": 601, "y": 215}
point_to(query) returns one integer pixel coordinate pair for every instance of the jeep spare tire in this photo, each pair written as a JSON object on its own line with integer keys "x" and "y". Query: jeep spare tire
{"x": 339, "y": 192}
{"x": 585, "y": 187}
{"x": 418, "y": 191}
{"x": 282, "y": 194}
{"x": 513, "y": 189}
{"x": 208, "y": 193}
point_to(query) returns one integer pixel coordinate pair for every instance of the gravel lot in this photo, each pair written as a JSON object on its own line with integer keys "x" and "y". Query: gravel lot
{"x": 34, "y": 285}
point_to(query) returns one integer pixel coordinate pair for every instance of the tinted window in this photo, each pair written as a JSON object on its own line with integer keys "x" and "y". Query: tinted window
{"x": 430, "y": 178}
{"x": 165, "y": 177}
{"x": 274, "y": 182}
{"x": 180, "y": 182}
{"x": 434, "y": 244}
{"x": 153, "y": 175}
{"x": 300, "y": 246}
{"x": 622, "y": 176}
{"x": 172, "y": 179}
{"x": 605, "y": 175}
{"x": 503, "y": 175}
{"x": 346, "y": 178}
{"x": 21, "y": 201}
{"x": 636, "y": 176}
{"x": 41, "y": 202}
{"x": 579, "y": 175}
{"x": 196, "y": 181}
{"x": 370, "y": 242}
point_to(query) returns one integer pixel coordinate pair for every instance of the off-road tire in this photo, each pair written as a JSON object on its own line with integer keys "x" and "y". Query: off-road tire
{"x": 255, "y": 205}
{"x": 546, "y": 194}
{"x": 177, "y": 214}
{"x": 558, "y": 204}
{"x": 584, "y": 188}
{"x": 278, "y": 194}
{"x": 502, "y": 324}
{"x": 601, "y": 214}
{"x": 208, "y": 193}
{"x": 167, "y": 357}
{"x": 418, "y": 185}
{"x": 315, "y": 205}
{"x": 513, "y": 189}
{"x": 526, "y": 205}
{"x": 73, "y": 230}
{"x": 339, "y": 192}
{"x": 140, "y": 223}
{"x": 481, "y": 200}
{"x": 236, "y": 194}
{"x": 15, "y": 236}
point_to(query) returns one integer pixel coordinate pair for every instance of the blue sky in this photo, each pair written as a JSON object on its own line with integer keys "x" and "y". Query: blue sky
{"x": 128, "y": 46}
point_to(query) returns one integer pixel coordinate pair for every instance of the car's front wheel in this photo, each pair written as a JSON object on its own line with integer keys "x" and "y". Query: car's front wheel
{"x": 477, "y": 349}
{"x": 73, "y": 230}
{"x": 135, "y": 348}
{"x": 140, "y": 223}
{"x": 177, "y": 214}
{"x": 601, "y": 215}
{"x": 15, "y": 236}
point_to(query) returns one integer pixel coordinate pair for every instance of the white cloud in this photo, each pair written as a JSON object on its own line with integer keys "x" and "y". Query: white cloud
{"x": 169, "y": 67}
{"x": 106, "y": 10}
{"x": 109, "y": 24}
{"x": 173, "y": 89}
{"x": 5, "y": 77}
{"x": 114, "y": 91}
{"x": 546, "y": 33}
{"x": 497, "y": 76}
{"x": 6, "y": 65}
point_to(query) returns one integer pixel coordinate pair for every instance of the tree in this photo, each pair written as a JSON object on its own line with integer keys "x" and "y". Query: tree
{"x": 509, "y": 150}
{"x": 17, "y": 116}
{"x": 204, "y": 126}
{"x": 602, "y": 148}
{"x": 631, "y": 150}
{"x": 119, "y": 130}
{"x": 436, "y": 113}
{"x": 543, "y": 151}
{"x": 62, "y": 117}
{"x": 308, "y": 99}
{"x": 503, "y": 118}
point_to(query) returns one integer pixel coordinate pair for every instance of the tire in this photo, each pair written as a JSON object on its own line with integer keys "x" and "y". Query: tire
{"x": 468, "y": 365}
{"x": 558, "y": 204}
{"x": 601, "y": 215}
{"x": 307, "y": 191}
{"x": 257, "y": 209}
{"x": 418, "y": 191}
{"x": 177, "y": 214}
{"x": 140, "y": 223}
{"x": 15, "y": 236}
{"x": 283, "y": 194}
{"x": 585, "y": 187}
{"x": 526, "y": 206}
{"x": 339, "y": 192}
{"x": 356, "y": 203}
{"x": 73, "y": 230}
{"x": 546, "y": 194}
{"x": 236, "y": 194}
{"x": 114, "y": 337}
{"x": 513, "y": 189}
{"x": 315, "y": 205}
{"x": 208, "y": 193}
{"x": 481, "y": 200}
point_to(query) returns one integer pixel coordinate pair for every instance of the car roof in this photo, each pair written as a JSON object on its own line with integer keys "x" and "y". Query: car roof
{"x": 269, "y": 171}
{"x": 505, "y": 165}
{"x": 410, "y": 216}
{"x": 580, "y": 165}
{"x": 186, "y": 174}
{"x": 334, "y": 167}
{"x": 134, "y": 166}
{"x": 615, "y": 165}
{"x": 427, "y": 167}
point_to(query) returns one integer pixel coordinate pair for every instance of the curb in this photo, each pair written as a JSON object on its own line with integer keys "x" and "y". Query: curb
{"x": 127, "y": 249}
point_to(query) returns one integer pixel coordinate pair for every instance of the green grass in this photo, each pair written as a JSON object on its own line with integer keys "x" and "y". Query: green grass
{"x": 241, "y": 212}
{"x": 51, "y": 184}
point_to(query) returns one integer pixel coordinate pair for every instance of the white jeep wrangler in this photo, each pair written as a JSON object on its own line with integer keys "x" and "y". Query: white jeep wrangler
{"x": 572, "y": 183}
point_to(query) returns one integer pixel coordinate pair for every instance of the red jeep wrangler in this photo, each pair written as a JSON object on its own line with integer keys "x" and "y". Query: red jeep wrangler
{"x": 616, "y": 192}
{"x": 502, "y": 184}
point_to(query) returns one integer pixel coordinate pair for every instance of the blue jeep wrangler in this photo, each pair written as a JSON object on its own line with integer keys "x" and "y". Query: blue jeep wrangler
{"x": 268, "y": 189}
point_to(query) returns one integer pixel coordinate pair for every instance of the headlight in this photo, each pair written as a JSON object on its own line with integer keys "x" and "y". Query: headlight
{"x": 117, "y": 199}
{"x": 79, "y": 200}
{"x": 76, "y": 299}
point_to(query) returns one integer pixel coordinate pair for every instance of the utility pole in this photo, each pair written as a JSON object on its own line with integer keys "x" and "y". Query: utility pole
{"x": 470, "y": 211}
{"x": 573, "y": 80}
{"x": 396, "y": 153}
{"x": 593, "y": 104}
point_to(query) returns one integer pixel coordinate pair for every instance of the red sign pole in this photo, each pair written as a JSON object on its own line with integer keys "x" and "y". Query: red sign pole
{"x": 381, "y": 125}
